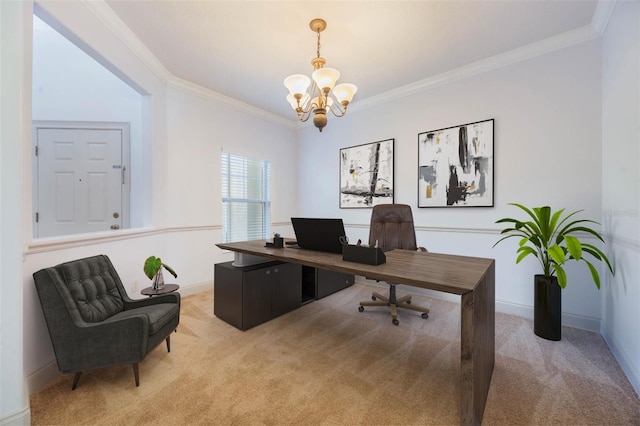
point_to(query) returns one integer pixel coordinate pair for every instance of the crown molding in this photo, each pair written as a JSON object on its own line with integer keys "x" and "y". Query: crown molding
{"x": 542, "y": 47}
{"x": 107, "y": 16}
{"x": 112, "y": 21}
{"x": 529, "y": 51}
{"x": 194, "y": 89}
{"x": 602, "y": 14}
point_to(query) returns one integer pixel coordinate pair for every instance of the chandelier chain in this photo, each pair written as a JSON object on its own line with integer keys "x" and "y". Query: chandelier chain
{"x": 318, "y": 50}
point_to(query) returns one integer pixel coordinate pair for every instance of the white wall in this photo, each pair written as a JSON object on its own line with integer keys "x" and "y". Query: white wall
{"x": 15, "y": 39}
{"x": 199, "y": 128}
{"x": 547, "y": 151}
{"x": 621, "y": 184}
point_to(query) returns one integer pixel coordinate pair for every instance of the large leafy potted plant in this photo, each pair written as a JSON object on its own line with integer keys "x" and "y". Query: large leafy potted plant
{"x": 153, "y": 270}
{"x": 553, "y": 239}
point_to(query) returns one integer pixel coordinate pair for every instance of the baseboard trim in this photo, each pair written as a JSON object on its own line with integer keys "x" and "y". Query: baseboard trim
{"x": 623, "y": 358}
{"x": 196, "y": 288}
{"x": 43, "y": 376}
{"x": 525, "y": 311}
{"x": 19, "y": 418}
{"x": 568, "y": 320}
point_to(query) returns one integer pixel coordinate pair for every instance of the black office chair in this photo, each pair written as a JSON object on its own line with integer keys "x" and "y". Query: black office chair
{"x": 392, "y": 228}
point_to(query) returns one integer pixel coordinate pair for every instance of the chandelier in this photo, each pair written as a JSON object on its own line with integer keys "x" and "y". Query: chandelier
{"x": 323, "y": 96}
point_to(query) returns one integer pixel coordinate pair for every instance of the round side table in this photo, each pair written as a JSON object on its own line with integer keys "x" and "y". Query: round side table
{"x": 168, "y": 288}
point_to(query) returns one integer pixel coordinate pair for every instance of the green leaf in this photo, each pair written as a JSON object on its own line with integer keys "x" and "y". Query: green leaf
{"x": 507, "y": 219}
{"x": 151, "y": 266}
{"x": 562, "y": 276}
{"x": 171, "y": 271}
{"x": 530, "y": 213}
{"x": 535, "y": 241}
{"x": 566, "y": 218}
{"x": 594, "y": 273}
{"x": 557, "y": 254}
{"x": 524, "y": 252}
{"x": 504, "y": 238}
{"x": 544, "y": 217}
{"x": 598, "y": 254}
{"x": 583, "y": 229}
{"x": 574, "y": 246}
{"x": 554, "y": 220}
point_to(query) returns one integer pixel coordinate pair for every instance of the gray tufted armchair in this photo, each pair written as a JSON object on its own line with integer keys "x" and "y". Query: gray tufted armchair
{"x": 93, "y": 323}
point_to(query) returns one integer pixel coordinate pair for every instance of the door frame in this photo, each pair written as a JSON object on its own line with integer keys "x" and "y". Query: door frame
{"x": 124, "y": 127}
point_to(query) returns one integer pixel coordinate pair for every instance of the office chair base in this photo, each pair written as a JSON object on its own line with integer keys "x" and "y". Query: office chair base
{"x": 393, "y": 303}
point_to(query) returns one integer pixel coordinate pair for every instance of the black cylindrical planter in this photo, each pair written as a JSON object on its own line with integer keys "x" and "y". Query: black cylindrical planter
{"x": 547, "y": 307}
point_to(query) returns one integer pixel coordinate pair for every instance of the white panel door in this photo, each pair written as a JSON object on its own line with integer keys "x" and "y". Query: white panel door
{"x": 80, "y": 179}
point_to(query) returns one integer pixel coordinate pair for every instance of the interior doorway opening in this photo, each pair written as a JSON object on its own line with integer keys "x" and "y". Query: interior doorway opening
{"x": 91, "y": 122}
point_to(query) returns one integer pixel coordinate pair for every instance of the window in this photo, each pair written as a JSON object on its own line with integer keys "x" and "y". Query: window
{"x": 246, "y": 198}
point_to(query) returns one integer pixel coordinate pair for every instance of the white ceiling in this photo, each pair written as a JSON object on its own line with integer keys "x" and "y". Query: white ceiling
{"x": 245, "y": 49}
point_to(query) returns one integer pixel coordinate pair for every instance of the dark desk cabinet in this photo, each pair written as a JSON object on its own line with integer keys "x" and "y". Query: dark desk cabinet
{"x": 248, "y": 296}
{"x": 286, "y": 288}
{"x": 318, "y": 283}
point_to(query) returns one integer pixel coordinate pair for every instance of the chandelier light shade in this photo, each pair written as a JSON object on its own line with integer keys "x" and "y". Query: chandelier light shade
{"x": 321, "y": 88}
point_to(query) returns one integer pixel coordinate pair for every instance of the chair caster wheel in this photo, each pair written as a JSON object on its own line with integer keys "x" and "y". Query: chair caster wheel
{"x": 360, "y": 308}
{"x": 408, "y": 302}
{"x": 395, "y": 321}
{"x": 373, "y": 298}
{"x": 425, "y": 315}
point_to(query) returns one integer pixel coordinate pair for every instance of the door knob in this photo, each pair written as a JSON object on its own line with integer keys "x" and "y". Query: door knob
{"x": 115, "y": 226}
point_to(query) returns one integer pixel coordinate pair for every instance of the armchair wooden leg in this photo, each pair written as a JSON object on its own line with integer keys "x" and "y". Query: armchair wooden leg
{"x": 136, "y": 374}
{"x": 169, "y": 343}
{"x": 76, "y": 379}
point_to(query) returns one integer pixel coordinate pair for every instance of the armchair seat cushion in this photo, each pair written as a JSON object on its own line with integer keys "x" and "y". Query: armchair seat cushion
{"x": 157, "y": 315}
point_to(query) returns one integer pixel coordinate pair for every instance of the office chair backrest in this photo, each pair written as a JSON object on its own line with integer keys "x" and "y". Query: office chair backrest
{"x": 392, "y": 227}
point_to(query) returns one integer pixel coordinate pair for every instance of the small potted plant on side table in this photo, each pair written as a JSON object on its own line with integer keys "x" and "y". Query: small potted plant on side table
{"x": 153, "y": 270}
{"x": 551, "y": 239}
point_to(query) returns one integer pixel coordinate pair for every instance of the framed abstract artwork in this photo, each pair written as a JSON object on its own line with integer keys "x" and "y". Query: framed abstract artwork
{"x": 455, "y": 166}
{"x": 366, "y": 175}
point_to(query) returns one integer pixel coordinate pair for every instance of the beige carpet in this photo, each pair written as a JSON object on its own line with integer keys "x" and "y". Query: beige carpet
{"x": 326, "y": 363}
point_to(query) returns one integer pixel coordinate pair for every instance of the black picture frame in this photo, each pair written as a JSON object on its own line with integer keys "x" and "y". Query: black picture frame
{"x": 456, "y": 167}
{"x": 366, "y": 174}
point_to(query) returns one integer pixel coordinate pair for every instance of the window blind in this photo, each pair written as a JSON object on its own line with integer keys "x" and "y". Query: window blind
{"x": 246, "y": 198}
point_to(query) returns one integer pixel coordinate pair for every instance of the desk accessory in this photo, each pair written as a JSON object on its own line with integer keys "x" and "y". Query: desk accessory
{"x": 278, "y": 242}
{"x": 361, "y": 254}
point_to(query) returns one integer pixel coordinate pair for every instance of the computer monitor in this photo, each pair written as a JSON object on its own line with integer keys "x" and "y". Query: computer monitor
{"x": 319, "y": 233}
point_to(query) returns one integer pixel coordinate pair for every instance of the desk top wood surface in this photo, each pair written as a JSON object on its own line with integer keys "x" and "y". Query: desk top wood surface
{"x": 434, "y": 271}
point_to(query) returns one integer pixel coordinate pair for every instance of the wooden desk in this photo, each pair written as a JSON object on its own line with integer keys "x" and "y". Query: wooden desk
{"x": 472, "y": 278}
